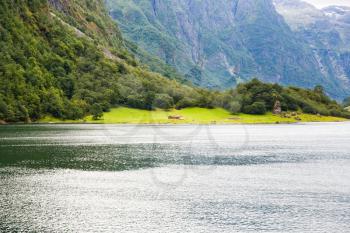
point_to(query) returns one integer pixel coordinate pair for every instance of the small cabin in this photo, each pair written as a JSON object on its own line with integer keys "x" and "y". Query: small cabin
{"x": 176, "y": 117}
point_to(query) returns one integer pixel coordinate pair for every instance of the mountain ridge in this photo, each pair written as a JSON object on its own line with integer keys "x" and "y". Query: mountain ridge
{"x": 220, "y": 44}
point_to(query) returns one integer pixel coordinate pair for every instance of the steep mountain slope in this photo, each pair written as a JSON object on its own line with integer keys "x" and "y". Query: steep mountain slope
{"x": 179, "y": 33}
{"x": 219, "y": 43}
{"x": 90, "y": 17}
{"x": 280, "y": 56}
{"x": 327, "y": 31}
{"x": 67, "y": 58}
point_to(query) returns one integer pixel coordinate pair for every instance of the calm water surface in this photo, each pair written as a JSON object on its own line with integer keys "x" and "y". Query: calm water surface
{"x": 107, "y": 178}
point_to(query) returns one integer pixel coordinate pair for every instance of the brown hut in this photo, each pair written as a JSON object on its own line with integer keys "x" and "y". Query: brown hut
{"x": 176, "y": 117}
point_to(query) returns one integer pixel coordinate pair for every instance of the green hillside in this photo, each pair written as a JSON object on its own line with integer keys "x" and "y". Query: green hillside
{"x": 67, "y": 58}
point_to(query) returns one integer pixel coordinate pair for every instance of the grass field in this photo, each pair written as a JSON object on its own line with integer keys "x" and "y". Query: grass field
{"x": 124, "y": 115}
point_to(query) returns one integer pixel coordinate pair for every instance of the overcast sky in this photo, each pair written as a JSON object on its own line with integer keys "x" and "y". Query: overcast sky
{"x": 324, "y": 3}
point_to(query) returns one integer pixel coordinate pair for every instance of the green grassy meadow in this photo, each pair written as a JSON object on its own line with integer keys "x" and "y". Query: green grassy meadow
{"x": 123, "y": 115}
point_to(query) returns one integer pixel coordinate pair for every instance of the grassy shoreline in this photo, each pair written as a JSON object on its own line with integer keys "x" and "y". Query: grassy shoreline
{"x": 125, "y": 115}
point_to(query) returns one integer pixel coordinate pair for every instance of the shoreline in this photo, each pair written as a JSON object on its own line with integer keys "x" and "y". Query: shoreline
{"x": 189, "y": 116}
{"x": 173, "y": 124}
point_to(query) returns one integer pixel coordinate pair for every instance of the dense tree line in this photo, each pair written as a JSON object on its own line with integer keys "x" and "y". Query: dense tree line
{"x": 257, "y": 98}
{"x": 46, "y": 69}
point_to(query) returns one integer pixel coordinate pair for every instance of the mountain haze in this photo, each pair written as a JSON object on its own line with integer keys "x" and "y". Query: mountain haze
{"x": 327, "y": 31}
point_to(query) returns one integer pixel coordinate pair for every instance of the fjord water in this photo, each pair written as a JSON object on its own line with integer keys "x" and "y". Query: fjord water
{"x": 109, "y": 178}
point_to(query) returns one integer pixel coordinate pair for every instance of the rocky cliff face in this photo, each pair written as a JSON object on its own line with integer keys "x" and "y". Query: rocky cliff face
{"x": 327, "y": 32}
{"x": 219, "y": 43}
{"x": 196, "y": 37}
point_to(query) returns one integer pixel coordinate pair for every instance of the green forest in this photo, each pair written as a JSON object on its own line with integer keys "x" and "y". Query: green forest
{"x": 69, "y": 60}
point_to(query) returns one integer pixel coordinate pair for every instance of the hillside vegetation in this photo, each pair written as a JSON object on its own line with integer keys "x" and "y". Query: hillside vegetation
{"x": 67, "y": 60}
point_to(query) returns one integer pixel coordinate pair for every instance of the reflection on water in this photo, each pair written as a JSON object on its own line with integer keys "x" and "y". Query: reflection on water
{"x": 93, "y": 178}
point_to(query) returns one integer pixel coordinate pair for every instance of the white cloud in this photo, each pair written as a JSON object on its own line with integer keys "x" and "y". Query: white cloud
{"x": 324, "y": 3}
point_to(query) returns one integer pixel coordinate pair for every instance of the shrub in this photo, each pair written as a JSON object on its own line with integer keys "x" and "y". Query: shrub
{"x": 258, "y": 108}
{"x": 135, "y": 101}
{"x": 96, "y": 111}
{"x": 186, "y": 103}
{"x": 163, "y": 101}
{"x": 336, "y": 112}
{"x": 75, "y": 109}
{"x": 234, "y": 107}
{"x": 3, "y": 109}
{"x": 309, "y": 109}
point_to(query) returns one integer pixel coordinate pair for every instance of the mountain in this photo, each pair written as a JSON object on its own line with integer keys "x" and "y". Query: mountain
{"x": 218, "y": 44}
{"x": 179, "y": 33}
{"x": 67, "y": 58}
{"x": 327, "y": 31}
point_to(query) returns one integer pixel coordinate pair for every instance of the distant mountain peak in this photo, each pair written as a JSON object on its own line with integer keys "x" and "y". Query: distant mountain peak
{"x": 327, "y": 31}
{"x": 298, "y": 13}
{"x": 340, "y": 13}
